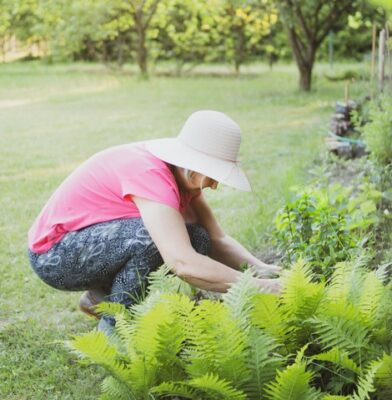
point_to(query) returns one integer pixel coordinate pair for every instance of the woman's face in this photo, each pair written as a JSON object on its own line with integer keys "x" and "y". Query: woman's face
{"x": 201, "y": 181}
{"x": 194, "y": 180}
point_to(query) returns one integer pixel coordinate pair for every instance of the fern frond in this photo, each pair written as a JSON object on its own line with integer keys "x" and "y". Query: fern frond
{"x": 338, "y": 357}
{"x": 216, "y": 343}
{"x": 164, "y": 281}
{"x": 333, "y": 397}
{"x": 114, "y": 389}
{"x": 180, "y": 389}
{"x": 384, "y": 377}
{"x": 293, "y": 383}
{"x": 172, "y": 338}
{"x": 373, "y": 292}
{"x": 239, "y": 298}
{"x": 261, "y": 361}
{"x": 124, "y": 328}
{"x": 211, "y": 387}
{"x": 109, "y": 308}
{"x": 158, "y": 338}
{"x": 300, "y": 296}
{"x": 268, "y": 315}
{"x": 96, "y": 347}
{"x": 346, "y": 334}
{"x": 366, "y": 383}
{"x": 346, "y": 283}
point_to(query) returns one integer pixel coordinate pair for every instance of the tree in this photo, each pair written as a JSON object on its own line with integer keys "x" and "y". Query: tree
{"x": 142, "y": 12}
{"x": 308, "y": 23}
{"x": 182, "y": 31}
{"x": 242, "y": 25}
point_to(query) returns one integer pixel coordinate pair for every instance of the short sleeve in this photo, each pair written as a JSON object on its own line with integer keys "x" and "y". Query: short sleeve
{"x": 153, "y": 184}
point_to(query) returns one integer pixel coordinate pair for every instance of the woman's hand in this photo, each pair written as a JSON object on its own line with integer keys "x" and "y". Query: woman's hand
{"x": 266, "y": 270}
{"x": 270, "y": 285}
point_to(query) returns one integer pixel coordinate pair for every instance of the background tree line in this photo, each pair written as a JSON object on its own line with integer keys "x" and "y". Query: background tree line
{"x": 190, "y": 32}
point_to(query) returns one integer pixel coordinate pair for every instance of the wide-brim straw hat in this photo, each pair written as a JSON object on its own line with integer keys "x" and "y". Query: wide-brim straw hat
{"x": 208, "y": 143}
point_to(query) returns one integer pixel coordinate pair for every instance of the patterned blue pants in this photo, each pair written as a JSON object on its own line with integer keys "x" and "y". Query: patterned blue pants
{"x": 114, "y": 256}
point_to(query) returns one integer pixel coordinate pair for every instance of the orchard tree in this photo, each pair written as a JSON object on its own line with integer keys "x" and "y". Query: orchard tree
{"x": 242, "y": 25}
{"x": 308, "y": 23}
{"x": 142, "y": 12}
{"x": 133, "y": 17}
{"x": 184, "y": 31}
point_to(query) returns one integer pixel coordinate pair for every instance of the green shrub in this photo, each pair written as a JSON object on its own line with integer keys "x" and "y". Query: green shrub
{"x": 315, "y": 341}
{"x": 326, "y": 225}
{"x": 377, "y": 133}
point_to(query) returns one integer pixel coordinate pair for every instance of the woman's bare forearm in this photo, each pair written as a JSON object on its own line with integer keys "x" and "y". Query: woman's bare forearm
{"x": 230, "y": 252}
{"x": 206, "y": 273}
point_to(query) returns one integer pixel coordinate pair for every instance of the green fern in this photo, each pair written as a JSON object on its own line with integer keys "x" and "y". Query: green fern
{"x": 347, "y": 334}
{"x": 157, "y": 339}
{"x": 293, "y": 383}
{"x": 164, "y": 281}
{"x": 268, "y": 315}
{"x": 300, "y": 296}
{"x": 212, "y": 387}
{"x": 169, "y": 389}
{"x": 96, "y": 347}
{"x": 206, "y": 387}
{"x": 216, "y": 343}
{"x": 109, "y": 308}
{"x": 366, "y": 383}
{"x": 114, "y": 389}
{"x": 339, "y": 358}
{"x": 301, "y": 299}
{"x": 262, "y": 363}
{"x": 346, "y": 283}
{"x": 383, "y": 377}
{"x": 238, "y": 298}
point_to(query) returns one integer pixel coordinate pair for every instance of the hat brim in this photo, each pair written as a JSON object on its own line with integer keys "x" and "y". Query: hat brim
{"x": 172, "y": 151}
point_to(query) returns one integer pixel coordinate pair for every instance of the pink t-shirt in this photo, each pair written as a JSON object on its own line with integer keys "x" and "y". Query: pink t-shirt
{"x": 101, "y": 189}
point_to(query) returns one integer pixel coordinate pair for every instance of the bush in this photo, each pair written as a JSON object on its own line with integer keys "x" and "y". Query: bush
{"x": 326, "y": 225}
{"x": 377, "y": 133}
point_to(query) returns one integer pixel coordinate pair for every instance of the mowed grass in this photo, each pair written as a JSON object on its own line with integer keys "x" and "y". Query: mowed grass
{"x": 54, "y": 117}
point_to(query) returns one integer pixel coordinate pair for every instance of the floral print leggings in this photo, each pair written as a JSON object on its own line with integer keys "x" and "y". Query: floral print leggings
{"x": 114, "y": 256}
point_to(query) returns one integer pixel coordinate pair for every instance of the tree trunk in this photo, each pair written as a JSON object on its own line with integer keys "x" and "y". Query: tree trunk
{"x": 305, "y": 77}
{"x": 141, "y": 48}
{"x": 142, "y": 53}
{"x": 237, "y": 65}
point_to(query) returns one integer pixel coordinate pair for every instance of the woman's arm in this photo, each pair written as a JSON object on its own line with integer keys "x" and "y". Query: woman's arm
{"x": 167, "y": 229}
{"x": 225, "y": 249}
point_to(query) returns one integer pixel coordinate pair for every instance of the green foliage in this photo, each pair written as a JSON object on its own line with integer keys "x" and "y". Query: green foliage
{"x": 293, "y": 383}
{"x": 210, "y": 350}
{"x": 327, "y": 225}
{"x": 377, "y": 133}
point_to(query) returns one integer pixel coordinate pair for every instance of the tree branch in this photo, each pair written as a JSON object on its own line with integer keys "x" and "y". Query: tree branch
{"x": 296, "y": 47}
{"x": 332, "y": 20}
{"x": 153, "y": 8}
{"x": 302, "y": 23}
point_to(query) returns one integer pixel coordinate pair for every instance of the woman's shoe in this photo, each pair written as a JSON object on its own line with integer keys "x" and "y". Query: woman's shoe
{"x": 89, "y": 300}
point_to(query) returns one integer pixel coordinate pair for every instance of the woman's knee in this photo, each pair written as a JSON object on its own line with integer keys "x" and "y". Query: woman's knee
{"x": 200, "y": 238}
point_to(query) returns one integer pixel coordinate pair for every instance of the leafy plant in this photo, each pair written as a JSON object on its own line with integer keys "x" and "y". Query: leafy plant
{"x": 326, "y": 225}
{"x": 378, "y": 131}
{"x": 314, "y": 341}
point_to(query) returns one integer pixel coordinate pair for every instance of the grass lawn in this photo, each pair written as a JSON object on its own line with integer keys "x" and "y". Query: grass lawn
{"x": 54, "y": 117}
